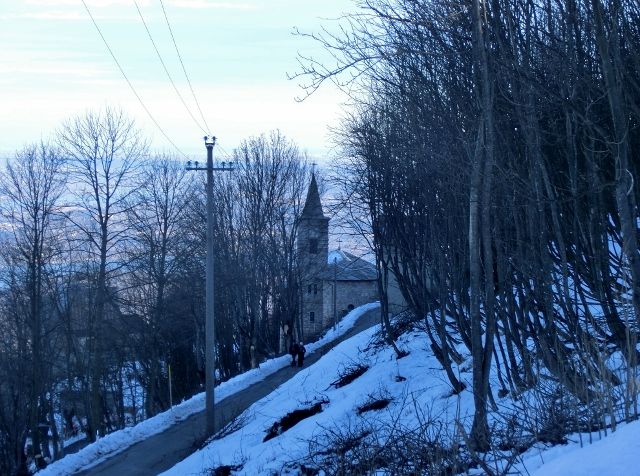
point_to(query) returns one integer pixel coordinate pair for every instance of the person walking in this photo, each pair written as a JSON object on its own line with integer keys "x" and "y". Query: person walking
{"x": 293, "y": 350}
{"x": 301, "y": 352}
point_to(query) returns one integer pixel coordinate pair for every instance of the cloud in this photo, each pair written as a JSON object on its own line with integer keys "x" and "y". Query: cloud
{"x": 61, "y": 70}
{"x": 90, "y": 3}
{"x": 51, "y": 15}
{"x": 203, "y": 4}
{"x": 193, "y": 4}
{"x": 70, "y": 10}
{"x": 20, "y": 65}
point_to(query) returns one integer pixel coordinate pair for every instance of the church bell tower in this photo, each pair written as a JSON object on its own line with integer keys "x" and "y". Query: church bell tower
{"x": 312, "y": 248}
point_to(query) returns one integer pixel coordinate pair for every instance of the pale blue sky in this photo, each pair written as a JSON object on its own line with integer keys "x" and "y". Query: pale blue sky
{"x": 53, "y": 65}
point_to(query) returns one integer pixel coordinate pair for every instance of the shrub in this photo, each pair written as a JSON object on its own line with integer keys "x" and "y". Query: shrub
{"x": 349, "y": 374}
{"x": 293, "y": 418}
{"x": 372, "y": 405}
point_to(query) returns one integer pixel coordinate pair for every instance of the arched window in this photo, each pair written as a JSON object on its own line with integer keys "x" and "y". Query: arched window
{"x": 313, "y": 246}
{"x": 312, "y": 316}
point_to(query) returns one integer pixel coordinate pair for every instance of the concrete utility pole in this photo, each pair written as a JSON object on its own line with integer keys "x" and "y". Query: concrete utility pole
{"x": 210, "y": 329}
{"x": 335, "y": 290}
{"x": 335, "y": 285}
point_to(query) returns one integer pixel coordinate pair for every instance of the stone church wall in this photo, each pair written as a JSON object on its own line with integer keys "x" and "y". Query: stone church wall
{"x": 312, "y": 301}
{"x": 312, "y": 248}
{"x": 350, "y": 293}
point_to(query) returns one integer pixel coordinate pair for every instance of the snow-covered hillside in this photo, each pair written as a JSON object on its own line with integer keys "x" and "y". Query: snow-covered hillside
{"x": 390, "y": 405}
{"x": 417, "y": 397}
{"x": 119, "y": 441}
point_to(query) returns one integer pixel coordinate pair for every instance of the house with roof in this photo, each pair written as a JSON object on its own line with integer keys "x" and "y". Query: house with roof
{"x": 333, "y": 283}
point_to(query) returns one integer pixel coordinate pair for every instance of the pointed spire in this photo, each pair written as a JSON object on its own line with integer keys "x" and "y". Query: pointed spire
{"x": 312, "y": 206}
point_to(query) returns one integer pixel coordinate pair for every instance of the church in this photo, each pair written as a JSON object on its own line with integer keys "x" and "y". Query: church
{"x": 332, "y": 283}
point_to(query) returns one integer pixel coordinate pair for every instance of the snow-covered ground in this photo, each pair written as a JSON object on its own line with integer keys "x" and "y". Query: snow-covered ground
{"x": 417, "y": 388}
{"x": 615, "y": 455}
{"x": 119, "y": 441}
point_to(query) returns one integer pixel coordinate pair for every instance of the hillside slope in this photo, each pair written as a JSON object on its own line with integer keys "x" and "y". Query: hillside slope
{"x": 387, "y": 416}
{"x": 157, "y": 443}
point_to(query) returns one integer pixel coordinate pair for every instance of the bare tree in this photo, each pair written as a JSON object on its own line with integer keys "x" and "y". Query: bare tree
{"x": 494, "y": 140}
{"x": 156, "y": 254}
{"x": 32, "y": 186}
{"x": 104, "y": 152}
{"x": 269, "y": 189}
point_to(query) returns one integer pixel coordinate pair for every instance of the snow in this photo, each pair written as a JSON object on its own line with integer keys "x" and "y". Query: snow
{"x": 119, "y": 441}
{"x": 424, "y": 383}
{"x": 617, "y": 454}
{"x": 422, "y": 392}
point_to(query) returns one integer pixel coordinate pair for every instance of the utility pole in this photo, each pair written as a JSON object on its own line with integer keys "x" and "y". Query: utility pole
{"x": 335, "y": 285}
{"x": 210, "y": 328}
{"x": 335, "y": 290}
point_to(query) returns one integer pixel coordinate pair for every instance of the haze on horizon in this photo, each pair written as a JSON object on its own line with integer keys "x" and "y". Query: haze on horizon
{"x": 54, "y": 65}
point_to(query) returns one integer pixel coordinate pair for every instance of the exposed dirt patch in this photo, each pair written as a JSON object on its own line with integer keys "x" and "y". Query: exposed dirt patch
{"x": 373, "y": 405}
{"x": 225, "y": 470}
{"x": 349, "y": 374}
{"x": 293, "y": 418}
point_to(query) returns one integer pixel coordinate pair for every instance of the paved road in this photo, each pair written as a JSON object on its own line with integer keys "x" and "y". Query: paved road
{"x": 162, "y": 451}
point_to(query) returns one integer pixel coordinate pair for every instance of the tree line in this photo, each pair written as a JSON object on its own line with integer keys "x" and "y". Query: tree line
{"x": 492, "y": 152}
{"x": 102, "y": 265}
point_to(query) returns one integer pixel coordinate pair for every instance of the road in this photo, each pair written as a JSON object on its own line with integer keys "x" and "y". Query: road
{"x": 162, "y": 451}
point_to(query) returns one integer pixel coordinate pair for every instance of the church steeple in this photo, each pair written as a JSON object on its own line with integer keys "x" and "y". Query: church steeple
{"x": 312, "y": 206}
{"x": 312, "y": 251}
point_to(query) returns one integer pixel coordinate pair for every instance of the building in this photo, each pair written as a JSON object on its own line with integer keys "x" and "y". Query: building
{"x": 333, "y": 283}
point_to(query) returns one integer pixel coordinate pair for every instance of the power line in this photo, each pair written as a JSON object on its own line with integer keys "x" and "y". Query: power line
{"x": 183, "y": 68}
{"x": 222, "y": 149}
{"x": 129, "y": 82}
{"x": 166, "y": 70}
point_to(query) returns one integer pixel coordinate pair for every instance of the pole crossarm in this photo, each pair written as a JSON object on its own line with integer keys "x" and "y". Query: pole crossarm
{"x": 222, "y": 167}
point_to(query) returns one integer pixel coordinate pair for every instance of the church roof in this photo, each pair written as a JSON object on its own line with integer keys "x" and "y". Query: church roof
{"x": 343, "y": 266}
{"x": 312, "y": 206}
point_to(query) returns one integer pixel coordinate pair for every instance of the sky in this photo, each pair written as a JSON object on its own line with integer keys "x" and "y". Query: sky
{"x": 237, "y": 53}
